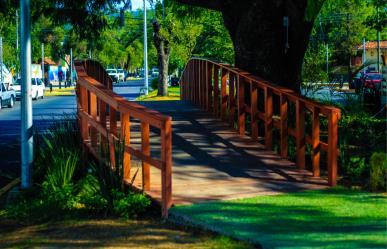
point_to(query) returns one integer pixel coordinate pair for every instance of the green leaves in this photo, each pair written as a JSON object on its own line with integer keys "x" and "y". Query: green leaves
{"x": 312, "y": 9}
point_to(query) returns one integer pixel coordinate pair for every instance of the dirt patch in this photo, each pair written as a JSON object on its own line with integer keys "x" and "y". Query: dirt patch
{"x": 109, "y": 233}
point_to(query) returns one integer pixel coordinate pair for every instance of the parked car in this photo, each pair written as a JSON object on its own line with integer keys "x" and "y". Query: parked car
{"x": 7, "y": 96}
{"x": 37, "y": 90}
{"x": 372, "y": 80}
{"x": 154, "y": 72}
{"x": 113, "y": 74}
{"x": 121, "y": 75}
{"x": 174, "y": 81}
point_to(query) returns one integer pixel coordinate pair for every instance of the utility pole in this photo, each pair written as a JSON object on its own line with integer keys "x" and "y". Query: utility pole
{"x": 364, "y": 54}
{"x": 27, "y": 141}
{"x": 145, "y": 53}
{"x": 17, "y": 31}
{"x": 327, "y": 58}
{"x": 71, "y": 66}
{"x": 378, "y": 38}
{"x": 43, "y": 61}
{"x": 1, "y": 61}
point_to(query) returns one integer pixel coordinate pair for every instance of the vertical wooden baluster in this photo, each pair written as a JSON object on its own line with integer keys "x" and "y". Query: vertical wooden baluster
{"x": 197, "y": 82}
{"x": 300, "y": 133}
{"x": 241, "y": 106}
{"x": 231, "y": 94}
{"x": 113, "y": 132}
{"x": 166, "y": 172}
{"x": 284, "y": 125}
{"x": 145, "y": 147}
{"x": 85, "y": 107}
{"x": 209, "y": 86}
{"x": 268, "y": 118}
{"x": 93, "y": 113}
{"x": 204, "y": 84}
{"x": 125, "y": 136}
{"x": 216, "y": 91}
{"x": 199, "y": 87}
{"x": 316, "y": 141}
{"x": 332, "y": 147}
{"x": 102, "y": 121}
{"x": 192, "y": 81}
{"x": 223, "y": 112}
{"x": 254, "y": 109}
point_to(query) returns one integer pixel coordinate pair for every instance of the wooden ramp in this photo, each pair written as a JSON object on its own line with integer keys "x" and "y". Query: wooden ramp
{"x": 211, "y": 161}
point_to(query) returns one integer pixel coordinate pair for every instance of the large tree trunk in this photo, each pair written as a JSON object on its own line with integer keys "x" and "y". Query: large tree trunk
{"x": 163, "y": 52}
{"x": 260, "y": 37}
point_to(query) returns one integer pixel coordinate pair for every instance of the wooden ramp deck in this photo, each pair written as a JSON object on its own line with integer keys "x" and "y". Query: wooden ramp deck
{"x": 211, "y": 161}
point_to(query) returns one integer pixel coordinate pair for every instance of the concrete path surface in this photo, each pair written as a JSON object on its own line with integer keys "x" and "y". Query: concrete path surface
{"x": 212, "y": 162}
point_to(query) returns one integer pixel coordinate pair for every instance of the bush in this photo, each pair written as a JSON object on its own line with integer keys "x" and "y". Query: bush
{"x": 378, "y": 171}
{"x": 155, "y": 83}
{"x": 63, "y": 186}
{"x": 129, "y": 205}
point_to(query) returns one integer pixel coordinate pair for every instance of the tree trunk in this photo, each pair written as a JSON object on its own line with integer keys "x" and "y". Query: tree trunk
{"x": 260, "y": 38}
{"x": 163, "y": 52}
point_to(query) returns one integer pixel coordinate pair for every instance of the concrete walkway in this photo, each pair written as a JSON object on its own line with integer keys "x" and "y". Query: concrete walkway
{"x": 212, "y": 162}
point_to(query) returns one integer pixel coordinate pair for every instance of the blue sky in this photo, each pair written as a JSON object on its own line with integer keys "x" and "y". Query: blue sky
{"x": 137, "y": 4}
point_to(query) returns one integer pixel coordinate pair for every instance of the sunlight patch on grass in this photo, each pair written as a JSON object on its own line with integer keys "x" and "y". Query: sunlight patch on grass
{"x": 173, "y": 94}
{"x": 66, "y": 91}
{"x": 332, "y": 218}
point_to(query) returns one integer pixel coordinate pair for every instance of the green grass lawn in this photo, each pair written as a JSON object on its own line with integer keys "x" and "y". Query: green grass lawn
{"x": 173, "y": 94}
{"x": 332, "y": 218}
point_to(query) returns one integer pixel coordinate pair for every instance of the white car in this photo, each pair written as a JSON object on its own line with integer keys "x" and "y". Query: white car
{"x": 37, "y": 88}
{"x": 121, "y": 74}
{"x": 113, "y": 74}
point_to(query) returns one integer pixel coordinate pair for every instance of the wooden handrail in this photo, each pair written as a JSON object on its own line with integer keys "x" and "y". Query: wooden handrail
{"x": 98, "y": 106}
{"x": 227, "y": 91}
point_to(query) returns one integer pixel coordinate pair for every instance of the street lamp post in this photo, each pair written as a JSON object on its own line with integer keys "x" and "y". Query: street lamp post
{"x": 26, "y": 98}
{"x": 43, "y": 61}
{"x": 145, "y": 53}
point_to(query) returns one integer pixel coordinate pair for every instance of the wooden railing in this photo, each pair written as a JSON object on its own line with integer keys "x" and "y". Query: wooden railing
{"x": 98, "y": 107}
{"x": 233, "y": 94}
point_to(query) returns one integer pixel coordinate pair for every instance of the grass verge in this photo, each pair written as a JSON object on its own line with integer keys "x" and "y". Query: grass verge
{"x": 173, "y": 94}
{"x": 332, "y": 218}
{"x": 60, "y": 92}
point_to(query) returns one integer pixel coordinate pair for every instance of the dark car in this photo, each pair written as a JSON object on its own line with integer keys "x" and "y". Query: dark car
{"x": 175, "y": 81}
{"x": 372, "y": 80}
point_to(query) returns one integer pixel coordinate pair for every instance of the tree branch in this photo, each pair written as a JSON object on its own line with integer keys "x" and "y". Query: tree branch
{"x": 208, "y": 4}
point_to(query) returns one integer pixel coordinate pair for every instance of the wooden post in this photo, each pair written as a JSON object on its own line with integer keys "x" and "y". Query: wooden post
{"x": 199, "y": 85}
{"x": 231, "y": 94}
{"x": 125, "y": 136}
{"x": 209, "y": 86}
{"x": 93, "y": 113}
{"x": 316, "y": 142}
{"x": 300, "y": 133}
{"x": 284, "y": 125}
{"x": 268, "y": 118}
{"x": 332, "y": 147}
{"x": 166, "y": 172}
{"x": 241, "y": 106}
{"x": 85, "y": 107}
{"x": 254, "y": 110}
{"x": 216, "y": 91}
{"x": 223, "y": 111}
{"x": 112, "y": 131}
{"x": 102, "y": 121}
{"x": 145, "y": 147}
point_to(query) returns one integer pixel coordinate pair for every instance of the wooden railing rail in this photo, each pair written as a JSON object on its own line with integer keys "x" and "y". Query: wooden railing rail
{"x": 98, "y": 107}
{"x": 232, "y": 94}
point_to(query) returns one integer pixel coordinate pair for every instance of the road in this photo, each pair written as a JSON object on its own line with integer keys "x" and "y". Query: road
{"x": 45, "y": 111}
